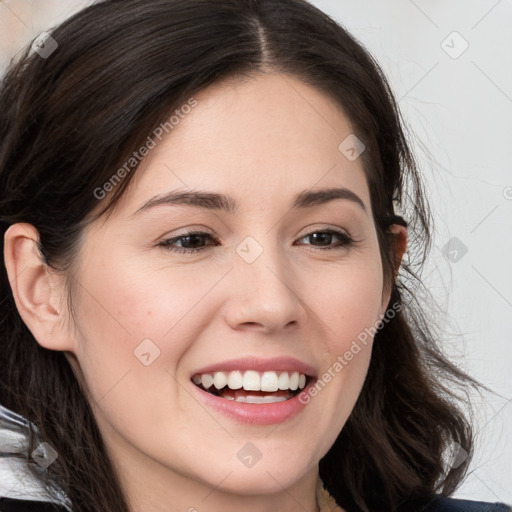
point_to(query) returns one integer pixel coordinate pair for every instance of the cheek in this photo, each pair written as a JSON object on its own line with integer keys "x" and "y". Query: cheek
{"x": 135, "y": 325}
{"x": 348, "y": 300}
{"x": 349, "y": 308}
{"x": 125, "y": 313}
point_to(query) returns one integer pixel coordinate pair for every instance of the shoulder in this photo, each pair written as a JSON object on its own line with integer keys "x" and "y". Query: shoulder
{"x": 434, "y": 504}
{"x": 15, "y": 505}
{"x": 441, "y": 504}
{"x": 20, "y": 491}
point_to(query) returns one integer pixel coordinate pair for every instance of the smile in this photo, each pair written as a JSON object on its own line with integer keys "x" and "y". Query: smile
{"x": 250, "y": 386}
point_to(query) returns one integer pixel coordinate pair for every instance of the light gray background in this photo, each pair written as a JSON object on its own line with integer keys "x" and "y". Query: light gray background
{"x": 459, "y": 106}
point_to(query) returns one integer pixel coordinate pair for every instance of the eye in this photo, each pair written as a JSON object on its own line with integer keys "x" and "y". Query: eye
{"x": 326, "y": 235}
{"x": 190, "y": 240}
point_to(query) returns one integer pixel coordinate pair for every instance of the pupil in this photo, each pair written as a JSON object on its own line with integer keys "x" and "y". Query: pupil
{"x": 316, "y": 236}
{"x": 188, "y": 237}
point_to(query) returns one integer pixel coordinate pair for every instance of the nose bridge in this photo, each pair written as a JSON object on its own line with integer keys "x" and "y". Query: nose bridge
{"x": 263, "y": 277}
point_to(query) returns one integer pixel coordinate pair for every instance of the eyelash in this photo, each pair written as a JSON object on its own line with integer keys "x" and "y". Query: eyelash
{"x": 346, "y": 241}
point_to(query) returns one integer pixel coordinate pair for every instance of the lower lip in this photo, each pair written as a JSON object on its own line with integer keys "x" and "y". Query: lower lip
{"x": 258, "y": 414}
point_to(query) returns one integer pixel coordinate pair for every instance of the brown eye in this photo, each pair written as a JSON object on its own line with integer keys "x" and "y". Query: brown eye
{"x": 190, "y": 241}
{"x": 187, "y": 240}
{"x": 326, "y": 236}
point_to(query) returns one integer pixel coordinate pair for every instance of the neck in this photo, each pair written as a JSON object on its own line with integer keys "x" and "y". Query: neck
{"x": 153, "y": 487}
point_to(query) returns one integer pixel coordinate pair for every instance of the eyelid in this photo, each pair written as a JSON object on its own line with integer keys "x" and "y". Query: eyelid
{"x": 347, "y": 240}
{"x": 198, "y": 229}
{"x": 313, "y": 228}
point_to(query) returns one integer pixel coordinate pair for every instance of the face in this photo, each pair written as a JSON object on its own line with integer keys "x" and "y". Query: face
{"x": 268, "y": 279}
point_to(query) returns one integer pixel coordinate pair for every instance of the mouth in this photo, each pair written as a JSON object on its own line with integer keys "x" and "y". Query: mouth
{"x": 253, "y": 387}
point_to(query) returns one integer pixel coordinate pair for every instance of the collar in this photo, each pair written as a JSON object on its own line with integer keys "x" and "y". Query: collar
{"x": 16, "y": 480}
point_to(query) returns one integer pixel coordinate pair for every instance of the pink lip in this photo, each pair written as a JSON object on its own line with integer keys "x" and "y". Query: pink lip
{"x": 257, "y": 414}
{"x": 282, "y": 363}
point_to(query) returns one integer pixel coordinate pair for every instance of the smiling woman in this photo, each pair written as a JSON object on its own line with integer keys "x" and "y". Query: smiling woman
{"x": 228, "y": 325}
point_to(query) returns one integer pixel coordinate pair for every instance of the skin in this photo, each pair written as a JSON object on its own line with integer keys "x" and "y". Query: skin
{"x": 261, "y": 141}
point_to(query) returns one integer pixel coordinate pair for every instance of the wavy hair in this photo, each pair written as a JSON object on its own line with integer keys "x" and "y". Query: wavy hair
{"x": 69, "y": 120}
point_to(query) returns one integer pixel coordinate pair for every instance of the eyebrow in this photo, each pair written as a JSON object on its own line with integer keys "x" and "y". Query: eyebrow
{"x": 222, "y": 202}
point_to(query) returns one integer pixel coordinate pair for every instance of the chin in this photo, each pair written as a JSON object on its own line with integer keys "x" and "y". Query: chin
{"x": 261, "y": 478}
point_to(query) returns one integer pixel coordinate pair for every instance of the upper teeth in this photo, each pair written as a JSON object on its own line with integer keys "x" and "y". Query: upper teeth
{"x": 251, "y": 380}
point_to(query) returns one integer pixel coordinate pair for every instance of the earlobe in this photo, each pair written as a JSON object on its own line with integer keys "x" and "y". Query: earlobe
{"x": 400, "y": 241}
{"x": 400, "y": 233}
{"x": 36, "y": 288}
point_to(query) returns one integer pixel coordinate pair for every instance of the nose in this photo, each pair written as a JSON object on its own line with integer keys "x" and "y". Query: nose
{"x": 262, "y": 295}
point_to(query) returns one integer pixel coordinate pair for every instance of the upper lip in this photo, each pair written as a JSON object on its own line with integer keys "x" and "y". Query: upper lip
{"x": 282, "y": 363}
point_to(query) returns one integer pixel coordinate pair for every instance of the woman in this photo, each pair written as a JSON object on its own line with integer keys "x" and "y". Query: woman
{"x": 203, "y": 301}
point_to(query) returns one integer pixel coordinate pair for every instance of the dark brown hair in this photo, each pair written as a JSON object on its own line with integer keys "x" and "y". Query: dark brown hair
{"x": 70, "y": 120}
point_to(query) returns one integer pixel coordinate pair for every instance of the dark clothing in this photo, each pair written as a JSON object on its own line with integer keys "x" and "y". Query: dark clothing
{"x": 454, "y": 505}
{"x": 12, "y": 505}
{"x": 436, "y": 505}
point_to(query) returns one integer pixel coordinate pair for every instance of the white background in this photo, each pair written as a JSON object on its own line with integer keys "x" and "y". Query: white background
{"x": 459, "y": 108}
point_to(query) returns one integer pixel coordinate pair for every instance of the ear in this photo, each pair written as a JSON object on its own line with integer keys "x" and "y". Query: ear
{"x": 400, "y": 241}
{"x": 37, "y": 289}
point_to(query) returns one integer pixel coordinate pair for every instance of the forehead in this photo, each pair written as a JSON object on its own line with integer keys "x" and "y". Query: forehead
{"x": 261, "y": 140}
